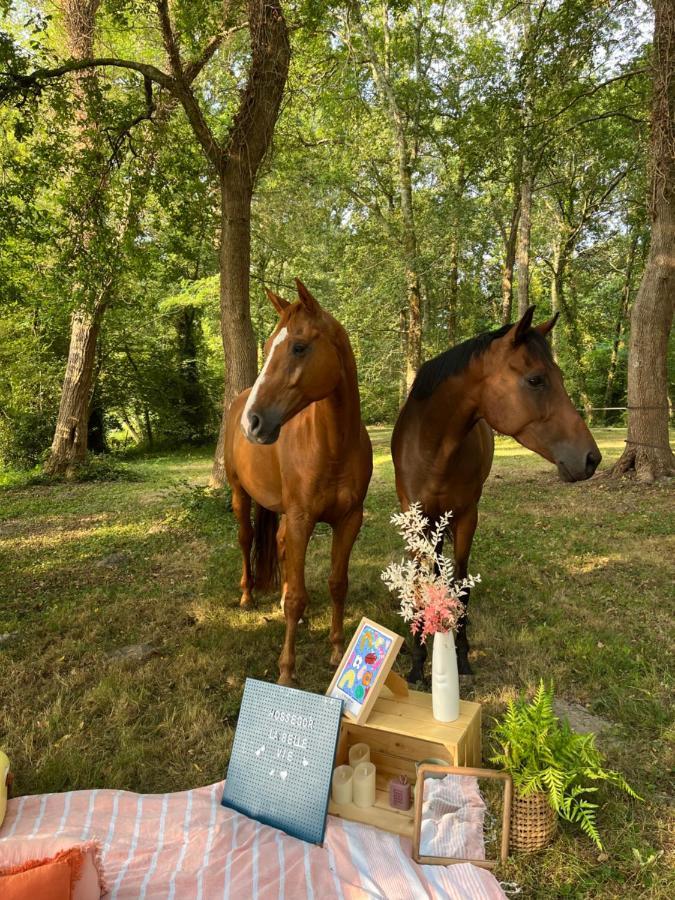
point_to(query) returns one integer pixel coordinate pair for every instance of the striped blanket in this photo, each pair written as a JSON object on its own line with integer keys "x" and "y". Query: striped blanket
{"x": 186, "y": 846}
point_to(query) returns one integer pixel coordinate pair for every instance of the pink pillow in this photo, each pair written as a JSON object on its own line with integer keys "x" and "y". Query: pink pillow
{"x": 22, "y": 856}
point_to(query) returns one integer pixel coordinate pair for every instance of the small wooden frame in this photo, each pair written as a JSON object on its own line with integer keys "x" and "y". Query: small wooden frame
{"x": 439, "y": 771}
{"x": 369, "y": 639}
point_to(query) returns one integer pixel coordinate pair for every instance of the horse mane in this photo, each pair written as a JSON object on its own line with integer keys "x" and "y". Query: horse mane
{"x": 453, "y": 361}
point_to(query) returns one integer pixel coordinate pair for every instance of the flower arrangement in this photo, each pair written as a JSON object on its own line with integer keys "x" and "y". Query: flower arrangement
{"x": 429, "y": 594}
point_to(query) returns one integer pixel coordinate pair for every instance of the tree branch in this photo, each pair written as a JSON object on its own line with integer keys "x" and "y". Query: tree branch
{"x": 195, "y": 66}
{"x": 251, "y": 131}
{"x": 587, "y": 93}
{"x": 36, "y": 77}
{"x": 182, "y": 91}
{"x": 169, "y": 40}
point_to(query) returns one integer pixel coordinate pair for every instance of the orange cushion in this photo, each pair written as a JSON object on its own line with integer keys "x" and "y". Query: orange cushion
{"x": 48, "y": 881}
{"x": 21, "y": 855}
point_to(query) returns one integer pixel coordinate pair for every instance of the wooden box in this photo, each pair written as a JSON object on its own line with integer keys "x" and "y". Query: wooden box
{"x": 401, "y": 731}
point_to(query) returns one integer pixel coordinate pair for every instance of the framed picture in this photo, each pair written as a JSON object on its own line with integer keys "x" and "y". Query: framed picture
{"x": 461, "y": 815}
{"x": 364, "y": 669}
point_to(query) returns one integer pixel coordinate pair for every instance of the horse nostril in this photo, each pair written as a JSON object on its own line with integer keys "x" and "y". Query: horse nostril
{"x": 254, "y": 423}
{"x": 592, "y": 462}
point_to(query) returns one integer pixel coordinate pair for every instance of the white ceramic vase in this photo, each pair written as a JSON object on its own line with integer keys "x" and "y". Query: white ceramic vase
{"x": 444, "y": 678}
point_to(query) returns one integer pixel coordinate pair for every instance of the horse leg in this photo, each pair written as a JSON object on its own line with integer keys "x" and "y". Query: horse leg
{"x": 241, "y": 505}
{"x": 419, "y": 657}
{"x": 419, "y": 650}
{"x": 281, "y": 556}
{"x": 464, "y": 529}
{"x": 298, "y": 531}
{"x": 345, "y": 533}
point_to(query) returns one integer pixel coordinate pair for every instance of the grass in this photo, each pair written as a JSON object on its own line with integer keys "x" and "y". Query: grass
{"x": 577, "y": 586}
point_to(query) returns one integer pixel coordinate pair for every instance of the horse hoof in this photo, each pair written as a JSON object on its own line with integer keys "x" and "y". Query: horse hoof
{"x": 246, "y": 603}
{"x": 415, "y": 676}
{"x": 464, "y": 668}
{"x": 336, "y": 657}
{"x": 286, "y": 680}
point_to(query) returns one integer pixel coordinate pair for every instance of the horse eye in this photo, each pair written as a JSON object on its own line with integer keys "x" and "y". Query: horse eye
{"x": 298, "y": 349}
{"x": 535, "y": 380}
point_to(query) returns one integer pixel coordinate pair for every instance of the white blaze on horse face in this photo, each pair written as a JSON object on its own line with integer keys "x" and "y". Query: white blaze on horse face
{"x": 279, "y": 339}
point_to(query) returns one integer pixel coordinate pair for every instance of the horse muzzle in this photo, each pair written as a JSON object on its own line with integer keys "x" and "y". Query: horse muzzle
{"x": 575, "y": 466}
{"x": 261, "y": 427}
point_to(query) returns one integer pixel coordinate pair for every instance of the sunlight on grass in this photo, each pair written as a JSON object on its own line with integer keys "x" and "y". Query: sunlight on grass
{"x": 575, "y": 581}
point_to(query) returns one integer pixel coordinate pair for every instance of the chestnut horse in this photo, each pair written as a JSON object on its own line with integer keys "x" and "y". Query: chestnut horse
{"x": 295, "y": 444}
{"x": 442, "y": 443}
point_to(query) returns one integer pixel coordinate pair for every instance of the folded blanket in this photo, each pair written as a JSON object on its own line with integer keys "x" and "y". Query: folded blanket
{"x": 186, "y": 846}
{"x": 452, "y": 818}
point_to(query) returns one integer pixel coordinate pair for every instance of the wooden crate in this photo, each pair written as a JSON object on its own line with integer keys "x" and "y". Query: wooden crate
{"x": 401, "y": 731}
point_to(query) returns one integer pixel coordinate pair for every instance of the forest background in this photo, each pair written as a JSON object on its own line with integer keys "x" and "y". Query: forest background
{"x": 435, "y": 168}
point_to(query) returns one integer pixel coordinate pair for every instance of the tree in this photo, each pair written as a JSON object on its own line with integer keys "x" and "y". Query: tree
{"x": 235, "y": 159}
{"x": 648, "y": 451}
{"x": 397, "y": 123}
{"x": 69, "y": 445}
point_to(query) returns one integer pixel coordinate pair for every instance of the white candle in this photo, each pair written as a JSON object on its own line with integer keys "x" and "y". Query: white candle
{"x": 358, "y": 753}
{"x": 364, "y": 784}
{"x": 342, "y": 784}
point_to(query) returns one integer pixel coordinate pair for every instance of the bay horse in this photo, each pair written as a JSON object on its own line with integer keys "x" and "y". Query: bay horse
{"x": 296, "y": 445}
{"x": 442, "y": 444}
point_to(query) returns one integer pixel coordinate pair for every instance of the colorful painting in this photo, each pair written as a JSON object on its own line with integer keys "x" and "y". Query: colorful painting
{"x": 364, "y": 666}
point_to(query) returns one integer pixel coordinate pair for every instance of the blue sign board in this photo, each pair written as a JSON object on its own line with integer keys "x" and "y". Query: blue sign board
{"x": 282, "y": 758}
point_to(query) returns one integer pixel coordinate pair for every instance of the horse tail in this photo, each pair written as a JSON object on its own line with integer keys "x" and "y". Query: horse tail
{"x": 265, "y": 557}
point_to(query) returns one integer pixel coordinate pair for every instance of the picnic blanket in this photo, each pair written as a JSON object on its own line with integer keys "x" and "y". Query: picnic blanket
{"x": 186, "y": 846}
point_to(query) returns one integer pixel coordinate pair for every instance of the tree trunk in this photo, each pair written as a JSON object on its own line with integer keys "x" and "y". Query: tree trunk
{"x": 560, "y": 305}
{"x": 509, "y": 261}
{"x": 556, "y": 290}
{"x": 403, "y": 339}
{"x": 621, "y": 317}
{"x": 249, "y": 140}
{"x": 194, "y": 409}
{"x": 453, "y": 292}
{"x": 648, "y": 450}
{"x": 453, "y": 289}
{"x": 397, "y": 124}
{"x": 239, "y": 344}
{"x": 69, "y": 446}
{"x": 523, "y": 270}
{"x": 412, "y": 278}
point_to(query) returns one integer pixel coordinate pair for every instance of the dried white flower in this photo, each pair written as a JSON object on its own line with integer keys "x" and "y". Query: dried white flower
{"x": 426, "y": 573}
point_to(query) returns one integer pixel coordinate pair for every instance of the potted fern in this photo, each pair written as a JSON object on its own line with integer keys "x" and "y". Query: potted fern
{"x": 552, "y": 767}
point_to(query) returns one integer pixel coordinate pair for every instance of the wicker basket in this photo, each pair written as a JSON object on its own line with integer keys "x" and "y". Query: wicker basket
{"x": 533, "y": 822}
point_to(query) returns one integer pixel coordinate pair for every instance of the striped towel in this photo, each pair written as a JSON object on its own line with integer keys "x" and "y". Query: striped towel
{"x": 186, "y": 846}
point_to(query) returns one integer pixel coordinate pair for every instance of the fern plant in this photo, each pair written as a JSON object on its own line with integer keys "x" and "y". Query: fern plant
{"x": 544, "y": 754}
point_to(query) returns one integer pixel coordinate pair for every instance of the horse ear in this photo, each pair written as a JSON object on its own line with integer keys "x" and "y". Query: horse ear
{"x": 310, "y": 303}
{"x": 277, "y": 302}
{"x": 545, "y": 327}
{"x": 524, "y": 325}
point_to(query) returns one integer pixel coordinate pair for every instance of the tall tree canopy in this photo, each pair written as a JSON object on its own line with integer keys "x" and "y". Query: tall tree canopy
{"x": 427, "y": 168}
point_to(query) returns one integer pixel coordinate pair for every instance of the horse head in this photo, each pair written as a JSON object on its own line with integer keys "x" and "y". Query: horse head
{"x": 302, "y": 365}
{"x": 522, "y": 394}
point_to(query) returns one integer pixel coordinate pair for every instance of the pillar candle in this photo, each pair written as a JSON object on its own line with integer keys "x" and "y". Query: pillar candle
{"x": 364, "y": 784}
{"x": 358, "y": 753}
{"x": 342, "y": 784}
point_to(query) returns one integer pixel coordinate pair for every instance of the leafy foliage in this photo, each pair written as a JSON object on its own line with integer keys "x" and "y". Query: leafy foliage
{"x": 326, "y": 206}
{"x": 545, "y": 755}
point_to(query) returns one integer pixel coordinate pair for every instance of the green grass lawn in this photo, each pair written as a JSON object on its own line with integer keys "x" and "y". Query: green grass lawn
{"x": 577, "y": 586}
